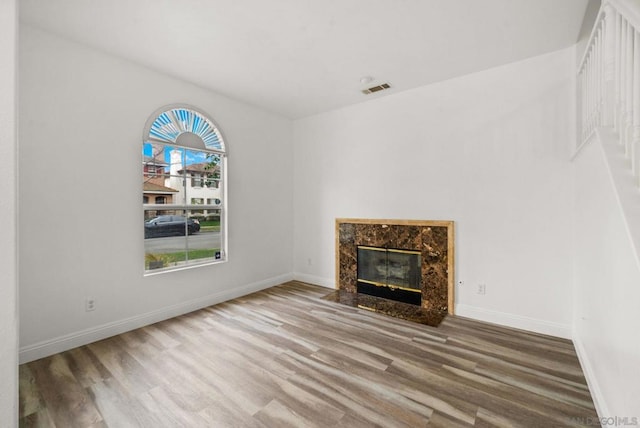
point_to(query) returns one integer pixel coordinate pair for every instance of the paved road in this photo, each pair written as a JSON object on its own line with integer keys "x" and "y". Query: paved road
{"x": 172, "y": 244}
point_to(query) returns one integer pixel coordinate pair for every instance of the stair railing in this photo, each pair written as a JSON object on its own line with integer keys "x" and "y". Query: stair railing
{"x": 609, "y": 78}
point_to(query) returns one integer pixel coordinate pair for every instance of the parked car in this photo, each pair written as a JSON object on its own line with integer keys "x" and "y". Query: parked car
{"x": 170, "y": 225}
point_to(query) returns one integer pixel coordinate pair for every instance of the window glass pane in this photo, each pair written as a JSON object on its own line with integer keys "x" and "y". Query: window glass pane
{"x": 154, "y": 159}
{"x": 206, "y": 243}
{"x": 213, "y": 171}
{"x": 175, "y": 180}
{"x": 203, "y": 174}
{"x": 164, "y": 240}
{"x": 162, "y": 184}
{"x": 181, "y": 238}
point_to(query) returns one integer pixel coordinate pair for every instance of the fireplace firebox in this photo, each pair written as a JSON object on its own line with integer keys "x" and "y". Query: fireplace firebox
{"x": 392, "y": 274}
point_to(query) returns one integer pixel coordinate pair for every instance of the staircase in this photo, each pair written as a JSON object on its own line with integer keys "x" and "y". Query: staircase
{"x": 607, "y": 210}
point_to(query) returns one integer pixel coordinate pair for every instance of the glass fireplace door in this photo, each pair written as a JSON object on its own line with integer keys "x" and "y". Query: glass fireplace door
{"x": 390, "y": 273}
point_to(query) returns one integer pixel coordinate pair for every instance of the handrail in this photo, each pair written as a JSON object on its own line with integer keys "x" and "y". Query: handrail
{"x": 587, "y": 50}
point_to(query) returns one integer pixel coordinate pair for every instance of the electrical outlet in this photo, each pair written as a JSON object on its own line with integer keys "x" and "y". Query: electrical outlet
{"x": 90, "y": 304}
{"x": 482, "y": 288}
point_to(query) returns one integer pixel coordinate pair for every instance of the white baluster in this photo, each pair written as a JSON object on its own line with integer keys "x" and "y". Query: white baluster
{"x": 589, "y": 106}
{"x": 636, "y": 105}
{"x": 596, "y": 71}
{"x": 583, "y": 110}
{"x": 617, "y": 47}
{"x": 583, "y": 103}
{"x": 628, "y": 128}
{"x": 620, "y": 77}
{"x": 623, "y": 81}
{"x": 624, "y": 89}
{"x": 593, "y": 66}
{"x": 592, "y": 85}
{"x": 609, "y": 21}
{"x": 598, "y": 49}
{"x": 601, "y": 78}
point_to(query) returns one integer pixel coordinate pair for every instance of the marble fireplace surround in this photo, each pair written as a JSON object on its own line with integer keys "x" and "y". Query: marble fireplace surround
{"x": 434, "y": 239}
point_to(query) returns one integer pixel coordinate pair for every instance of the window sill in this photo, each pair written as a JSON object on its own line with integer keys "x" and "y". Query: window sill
{"x": 161, "y": 271}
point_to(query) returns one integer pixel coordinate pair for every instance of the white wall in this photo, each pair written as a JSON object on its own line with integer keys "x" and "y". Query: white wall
{"x": 607, "y": 295}
{"x": 82, "y": 115}
{"x": 488, "y": 150}
{"x": 8, "y": 271}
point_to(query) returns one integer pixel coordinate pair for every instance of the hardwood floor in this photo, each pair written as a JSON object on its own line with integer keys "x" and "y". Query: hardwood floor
{"x": 284, "y": 357}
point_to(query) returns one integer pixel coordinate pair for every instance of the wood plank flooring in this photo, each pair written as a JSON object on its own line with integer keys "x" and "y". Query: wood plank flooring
{"x": 284, "y": 357}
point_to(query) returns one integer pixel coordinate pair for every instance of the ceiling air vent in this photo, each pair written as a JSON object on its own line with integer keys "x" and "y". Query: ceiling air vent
{"x": 376, "y": 88}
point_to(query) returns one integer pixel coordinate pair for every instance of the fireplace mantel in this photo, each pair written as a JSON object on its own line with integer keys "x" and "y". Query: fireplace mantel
{"x": 433, "y": 239}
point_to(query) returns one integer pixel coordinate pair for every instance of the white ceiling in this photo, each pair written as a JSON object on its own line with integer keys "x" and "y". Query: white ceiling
{"x": 301, "y": 57}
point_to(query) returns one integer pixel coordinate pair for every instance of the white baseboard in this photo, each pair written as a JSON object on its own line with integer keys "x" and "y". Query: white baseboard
{"x": 83, "y": 337}
{"x": 515, "y": 321}
{"x": 592, "y": 381}
{"x": 316, "y": 280}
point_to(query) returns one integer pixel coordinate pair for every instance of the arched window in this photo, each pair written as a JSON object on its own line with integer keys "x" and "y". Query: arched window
{"x": 184, "y": 166}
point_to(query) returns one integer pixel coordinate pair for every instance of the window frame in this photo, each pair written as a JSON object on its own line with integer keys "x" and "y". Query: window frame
{"x": 185, "y": 207}
{"x": 197, "y": 180}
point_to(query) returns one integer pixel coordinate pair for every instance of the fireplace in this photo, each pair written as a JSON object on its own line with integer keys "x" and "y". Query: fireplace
{"x": 402, "y": 268}
{"x": 392, "y": 274}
